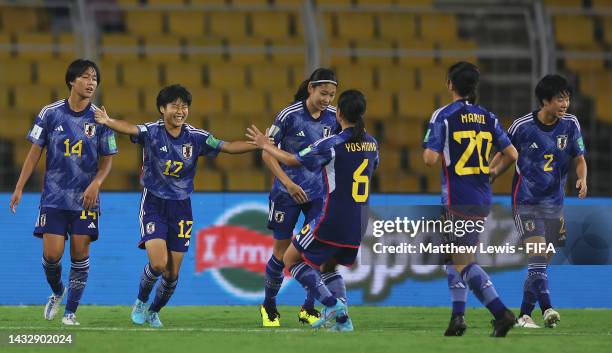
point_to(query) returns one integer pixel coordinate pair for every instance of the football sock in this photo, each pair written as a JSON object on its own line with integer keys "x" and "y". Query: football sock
{"x": 53, "y": 272}
{"x": 79, "y": 271}
{"x": 335, "y": 284}
{"x": 164, "y": 291}
{"x": 273, "y": 279}
{"x": 147, "y": 281}
{"x": 537, "y": 279}
{"x": 310, "y": 279}
{"x": 482, "y": 287}
{"x": 458, "y": 289}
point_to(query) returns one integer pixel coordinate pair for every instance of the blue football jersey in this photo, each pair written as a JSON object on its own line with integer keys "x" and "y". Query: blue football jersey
{"x": 545, "y": 156}
{"x": 347, "y": 169}
{"x": 464, "y": 133}
{"x": 169, "y": 163}
{"x": 73, "y": 143}
{"x": 293, "y": 130}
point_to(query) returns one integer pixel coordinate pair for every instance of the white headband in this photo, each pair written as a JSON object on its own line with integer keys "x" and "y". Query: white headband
{"x": 325, "y": 81}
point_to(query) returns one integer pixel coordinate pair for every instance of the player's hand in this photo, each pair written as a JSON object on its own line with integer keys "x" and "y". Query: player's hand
{"x": 492, "y": 175}
{"x": 101, "y": 116}
{"x": 581, "y": 185}
{"x": 257, "y": 138}
{"x": 297, "y": 193}
{"x": 15, "y": 198}
{"x": 90, "y": 196}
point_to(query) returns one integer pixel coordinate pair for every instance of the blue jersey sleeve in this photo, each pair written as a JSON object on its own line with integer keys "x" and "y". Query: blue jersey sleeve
{"x": 38, "y": 134}
{"x": 108, "y": 143}
{"x": 500, "y": 138}
{"x": 210, "y": 146}
{"x": 278, "y": 129}
{"x": 436, "y": 135}
{"x": 576, "y": 147}
{"x": 316, "y": 156}
{"x": 143, "y": 135}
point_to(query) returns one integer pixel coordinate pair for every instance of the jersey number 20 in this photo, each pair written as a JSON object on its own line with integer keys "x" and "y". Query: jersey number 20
{"x": 475, "y": 143}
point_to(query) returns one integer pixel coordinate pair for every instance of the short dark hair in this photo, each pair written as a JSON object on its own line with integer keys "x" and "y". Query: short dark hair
{"x": 320, "y": 74}
{"x": 171, "y": 93}
{"x": 78, "y": 67}
{"x": 551, "y": 86}
{"x": 465, "y": 77}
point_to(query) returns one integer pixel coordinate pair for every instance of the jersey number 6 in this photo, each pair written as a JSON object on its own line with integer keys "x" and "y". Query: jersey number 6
{"x": 359, "y": 178}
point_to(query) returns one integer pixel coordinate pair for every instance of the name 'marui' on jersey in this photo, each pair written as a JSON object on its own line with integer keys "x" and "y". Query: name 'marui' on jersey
{"x": 347, "y": 168}
{"x": 74, "y": 142}
{"x": 294, "y": 129}
{"x": 545, "y": 156}
{"x": 169, "y": 163}
{"x": 465, "y": 133}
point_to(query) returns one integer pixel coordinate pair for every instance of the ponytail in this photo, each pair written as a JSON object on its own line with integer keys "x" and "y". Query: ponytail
{"x": 352, "y": 106}
{"x": 465, "y": 77}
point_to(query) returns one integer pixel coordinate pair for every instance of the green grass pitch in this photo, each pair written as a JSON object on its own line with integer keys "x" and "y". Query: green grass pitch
{"x": 230, "y": 329}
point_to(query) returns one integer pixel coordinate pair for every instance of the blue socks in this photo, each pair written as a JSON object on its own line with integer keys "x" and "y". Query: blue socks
{"x": 458, "y": 290}
{"x": 147, "y": 281}
{"x": 53, "y": 272}
{"x": 79, "y": 271}
{"x": 310, "y": 279}
{"x": 482, "y": 287}
{"x": 335, "y": 284}
{"x": 164, "y": 291}
{"x": 536, "y": 286}
{"x": 273, "y": 279}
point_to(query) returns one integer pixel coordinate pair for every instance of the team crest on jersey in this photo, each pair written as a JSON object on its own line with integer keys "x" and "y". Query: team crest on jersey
{"x": 326, "y": 131}
{"x": 279, "y": 216}
{"x": 529, "y": 226}
{"x": 90, "y": 130}
{"x": 187, "y": 151}
{"x": 561, "y": 141}
{"x": 150, "y": 227}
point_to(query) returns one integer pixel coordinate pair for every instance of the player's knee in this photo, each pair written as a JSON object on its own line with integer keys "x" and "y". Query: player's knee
{"x": 159, "y": 265}
{"x": 52, "y": 256}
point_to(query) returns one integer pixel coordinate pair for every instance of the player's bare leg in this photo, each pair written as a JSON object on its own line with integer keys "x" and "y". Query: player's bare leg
{"x": 53, "y": 249}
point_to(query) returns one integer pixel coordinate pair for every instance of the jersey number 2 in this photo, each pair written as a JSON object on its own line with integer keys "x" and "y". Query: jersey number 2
{"x": 476, "y": 140}
{"x": 549, "y": 159}
{"x": 359, "y": 178}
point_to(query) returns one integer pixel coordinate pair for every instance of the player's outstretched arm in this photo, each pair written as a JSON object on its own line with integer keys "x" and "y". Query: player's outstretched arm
{"x": 26, "y": 171}
{"x": 120, "y": 126}
{"x": 581, "y": 172}
{"x": 237, "y": 147}
{"x": 261, "y": 141}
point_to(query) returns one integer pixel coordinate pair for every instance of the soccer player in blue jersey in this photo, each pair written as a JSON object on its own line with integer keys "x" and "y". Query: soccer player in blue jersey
{"x": 345, "y": 162}
{"x": 78, "y": 159}
{"x": 170, "y": 154}
{"x": 464, "y": 133}
{"x": 548, "y": 141}
{"x": 296, "y": 190}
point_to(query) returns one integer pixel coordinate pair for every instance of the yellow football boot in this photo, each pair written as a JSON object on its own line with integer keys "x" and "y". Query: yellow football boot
{"x": 269, "y": 319}
{"x": 308, "y": 316}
